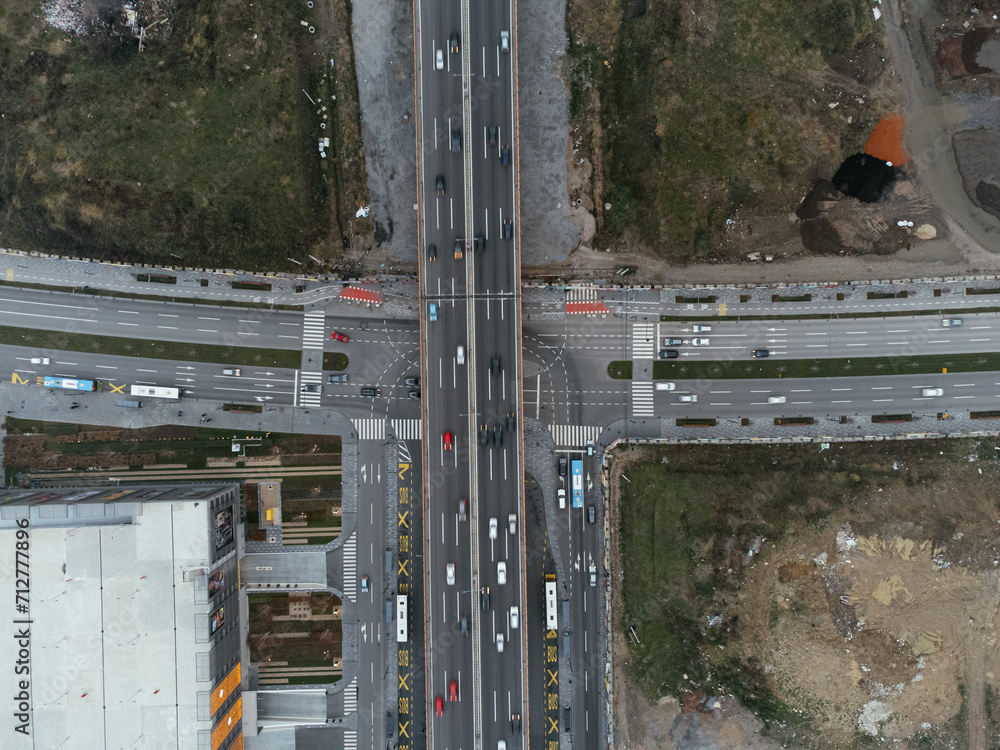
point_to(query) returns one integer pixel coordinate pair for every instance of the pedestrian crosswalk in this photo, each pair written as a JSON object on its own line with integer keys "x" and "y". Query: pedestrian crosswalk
{"x": 581, "y": 294}
{"x": 406, "y": 429}
{"x": 314, "y": 330}
{"x": 572, "y": 436}
{"x": 310, "y": 378}
{"x": 370, "y": 428}
{"x": 643, "y": 340}
{"x": 350, "y": 552}
{"x": 642, "y": 398}
{"x": 350, "y": 707}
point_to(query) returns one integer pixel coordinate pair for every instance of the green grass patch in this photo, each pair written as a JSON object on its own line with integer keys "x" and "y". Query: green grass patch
{"x": 888, "y": 295}
{"x": 704, "y": 118}
{"x": 694, "y": 300}
{"x": 202, "y": 150}
{"x": 984, "y": 414}
{"x": 695, "y": 422}
{"x": 793, "y": 421}
{"x": 972, "y": 290}
{"x": 797, "y": 298}
{"x": 156, "y": 278}
{"x": 258, "y": 286}
{"x": 244, "y": 408}
{"x": 825, "y": 368}
{"x": 336, "y": 361}
{"x": 116, "y": 346}
{"x": 620, "y": 369}
{"x": 157, "y": 297}
{"x": 823, "y": 316}
{"x": 890, "y": 418}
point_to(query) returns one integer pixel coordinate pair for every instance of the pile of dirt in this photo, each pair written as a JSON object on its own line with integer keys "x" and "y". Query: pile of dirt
{"x": 977, "y": 153}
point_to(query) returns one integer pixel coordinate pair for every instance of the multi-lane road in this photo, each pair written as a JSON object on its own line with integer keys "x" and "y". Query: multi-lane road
{"x": 470, "y": 331}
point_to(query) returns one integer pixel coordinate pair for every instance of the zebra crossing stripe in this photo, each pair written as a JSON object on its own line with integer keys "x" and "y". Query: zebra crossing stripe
{"x": 581, "y": 294}
{"x": 406, "y": 429}
{"x": 370, "y": 428}
{"x": 350, "y": 552}
{"x": 571, "y": 436}
{"x": 643, "y": 340}
{"x": 314, "y": 330}
{"x": 642, "y": 398}
{"x": 350, "y": 707}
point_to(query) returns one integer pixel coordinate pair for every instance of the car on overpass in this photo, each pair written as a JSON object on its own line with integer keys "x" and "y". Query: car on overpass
{"x": 932, "y": 392}
{"x": 439, "y": 706}
{"x": 450, "y": 574}
{"x": 453, "y": 690}
{"x": 456, "y": 140}
{"x": 447, "y": 440}
{"x": 512, "y": 523}
{"x": 462, "y": 505}
{"x": 432, "y": 254}
{"x": 439, "y": 184}
{"x": 493, "y": 528}
{"x": 432, "y": 308}
{"x": 776, "y": 399}
{"x": 513, "y": 617}
{"x": 499, "y": 643}
{"x": 501, "y": 572}
{"x": 453, "y": 42}
{"x": 505, "y": 41}
{"x": 439, "y": 59}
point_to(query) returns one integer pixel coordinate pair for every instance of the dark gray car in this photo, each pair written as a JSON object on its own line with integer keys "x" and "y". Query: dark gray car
{"x": 456, "y": 140}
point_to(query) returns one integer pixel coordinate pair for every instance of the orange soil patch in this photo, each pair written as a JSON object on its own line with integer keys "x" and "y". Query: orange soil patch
{"x": 886, "y": 141}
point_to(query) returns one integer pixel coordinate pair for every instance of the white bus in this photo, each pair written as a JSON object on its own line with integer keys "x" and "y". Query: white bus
{"x": 401, "y": 621}
{"x": 153, "y": 391}
{"x": 551, "y": 619}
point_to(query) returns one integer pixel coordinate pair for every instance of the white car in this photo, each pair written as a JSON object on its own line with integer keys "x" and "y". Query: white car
{"x": 776, "y": 399}
{"x": 499, "y": 643}
{"x": 460, "y": 355}
{"x": 451, "y": 574}
{"x": 952, "y": 322}
{"x": 233, "y": 371}
{"x": 701, "y": 329}
{"x": 501, "y": 572}
{"x": 929, "y": 392}
{"x": 39, "y": 360}
{"x": 439, "y": 60}
{"x": 513, "y": 618}
{"x": 512, "y": 523}
{"x": 593, "y": 574}
{"x": 700, "y": 342}
{"x": 493, "y": 528}
{"x": 562, "y": 498}
{"x": 504, "y": 41}
{"x": 688, "y": 398}
{"x": 665, "y": 386}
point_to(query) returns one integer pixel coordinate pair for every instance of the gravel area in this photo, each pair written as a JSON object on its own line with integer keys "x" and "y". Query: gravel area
{"x": 383, "y": 58}
{"x": 548, "y": 233}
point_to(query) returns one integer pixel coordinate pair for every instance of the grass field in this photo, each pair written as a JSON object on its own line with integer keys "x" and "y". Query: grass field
{"x": 712, "y": 107}
{"x": 200, "y": 151}
{"x": 122, "y": 347}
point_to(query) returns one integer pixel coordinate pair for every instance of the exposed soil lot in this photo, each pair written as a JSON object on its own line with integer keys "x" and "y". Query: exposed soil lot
{"x": 797, "y": 597}
{"x": 202, "y": 150}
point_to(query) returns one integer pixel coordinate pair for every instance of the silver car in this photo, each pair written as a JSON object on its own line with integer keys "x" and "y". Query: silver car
{"x": 700, "y": 342}
{"x": 931, "y": 392}
{"x": 501, "y": 572}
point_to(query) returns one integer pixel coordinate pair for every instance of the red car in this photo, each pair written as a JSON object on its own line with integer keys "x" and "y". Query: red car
{"x": 447, "y": 441}
{"x": 453, "y": 690}
{"x": 439, "y": 706}
{"x": 340, "y": 337}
